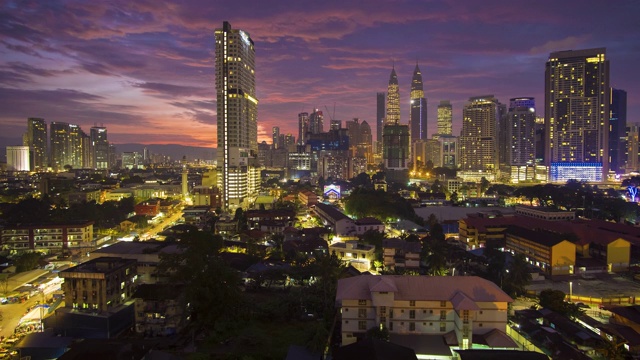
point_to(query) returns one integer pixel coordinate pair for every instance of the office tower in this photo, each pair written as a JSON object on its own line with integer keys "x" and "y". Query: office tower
{"x": 36, "y": 139}
{"x": 393, "y": 100}
{"x": 540, "y": 140}
{"x": 100, "y": 146}
{"x": 76, "y": 150}
{"x": 353, "y": 130}
{"x": 418, "y": 120}
{"x": 275, "y": 137}
{"x": 316, "y": 122}
{"x": 290, "y": 142}
{"x": 335, "y": 125}
{"x": 365, "y": 143}
{"x": 520, "y": 139}
{"x": 396, "y": 148}
{"x": 577, "y": 115}
{"x": 449, "y": 151}
{"x": 59, "y": 145}
{"x": 478, "y": 138}
{"x": 237, "y": 112}
{"x": 380, "y": 115}
{"x": 445, "y": 118}
{"x": 131, "y": 160}
{"x": 617, "y": 127}
{"x": 633, "y": 148}
{"x": 88, "y": 151}
{"x": 303, "y": 127}
{"x": 18, "y": 158}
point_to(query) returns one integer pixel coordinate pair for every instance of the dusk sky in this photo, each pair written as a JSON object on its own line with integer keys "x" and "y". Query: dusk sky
{"x": 145, "y": 68}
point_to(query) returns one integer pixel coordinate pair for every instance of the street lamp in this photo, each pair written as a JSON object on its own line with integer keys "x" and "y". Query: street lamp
{"x": 570, "y": 290}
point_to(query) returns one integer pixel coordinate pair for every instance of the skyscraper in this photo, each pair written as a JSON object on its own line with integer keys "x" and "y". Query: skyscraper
{"x": 617, "y": 127}
{"x": 393, "y": 99}
{"x": 380, "y": 115}
{"x": 59, "y": 145}
{"x": 445, "y": 118}
{"x": 316, "y": 122}
{"x": 418, "y": 120}
{"x": 275, "y": 137}
{"x": 577, "y": 115}
{"x": 237, "y": 112}
{"x": 100, "y": 146}
{"x": 520, "y": 139}
{"x": 36, "y": 139}
{"x": 303, "y": 127}
{"x": 396, "y": 140}
{"x": 478, "y": 138}
{"x": 75, "y": 145}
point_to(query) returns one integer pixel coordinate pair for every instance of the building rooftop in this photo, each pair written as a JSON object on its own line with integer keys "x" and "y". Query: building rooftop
{"x": 101, "y": 265}
{"x": 541, "y": 237}
{"x": 435, "y": 288}
{"x": 138, "y": 247}
{"x": 368, "y": 221}
{"x": 629, "y": 312}
{"x": 332, "y": 211}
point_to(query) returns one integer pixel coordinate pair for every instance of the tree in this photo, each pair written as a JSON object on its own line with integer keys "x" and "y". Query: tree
{"x": 454, "y": 197}
{"x": 554, "y": 300}
{"x": 212, "y": 289}
{"x": 434, "y": 254}
{"x": 378, "y": 332}
{"x": 27, "y": 261}
{"x": 518, "y": 276}
{"x": 484, "y": 185}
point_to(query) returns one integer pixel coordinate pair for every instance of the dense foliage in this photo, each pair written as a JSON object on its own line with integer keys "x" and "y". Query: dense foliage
{"x": 379, "y": 204}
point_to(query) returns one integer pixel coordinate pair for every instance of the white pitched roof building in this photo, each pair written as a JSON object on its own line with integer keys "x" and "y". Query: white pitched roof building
{"x": 452, "y": 310}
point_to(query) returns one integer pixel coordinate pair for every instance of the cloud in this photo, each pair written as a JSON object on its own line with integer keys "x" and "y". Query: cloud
{"x": 171, "y": 90}
{"x": 568, "y": 43}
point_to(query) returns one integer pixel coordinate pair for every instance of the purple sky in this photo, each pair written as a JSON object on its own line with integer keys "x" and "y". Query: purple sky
{"x": 144, "y": 68}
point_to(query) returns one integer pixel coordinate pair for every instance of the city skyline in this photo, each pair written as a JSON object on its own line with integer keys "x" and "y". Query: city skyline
{"x": 140, "y": 69}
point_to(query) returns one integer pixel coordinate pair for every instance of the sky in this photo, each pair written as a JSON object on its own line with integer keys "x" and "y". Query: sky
{"x": 145, "y": 68}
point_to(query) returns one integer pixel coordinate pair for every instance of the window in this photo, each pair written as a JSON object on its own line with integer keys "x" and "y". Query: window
{"x": 362, "y": 325}
{"x": 480, "y": 325}
{"x": 383, "y": 310}
{"x": 362, "y": 302}
{"x": 465, "y": 316}
{"x": 443, "y": 304}
{"x": 412, "y": 326}
{"x": 412, "y": 314}
{"x": 362, "y": 313}
{"x": 412, "y": 303}
{"x": 443, "y": 327}
{"x": 391, "y": 326}
{"x": 443, "y": 315}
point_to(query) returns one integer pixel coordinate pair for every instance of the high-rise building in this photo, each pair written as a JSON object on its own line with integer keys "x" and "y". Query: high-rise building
{"x": 633, "y": 147}
{"x": 316, "y": 122}
{"x": 418, "y": 120}
{"x": 18, "y": 158}
{"x": 445, "y": 118}
{"x": 521, "y": 121}
{"x": 275, "y": 137}
{"x": 449, "y": 151}
{"x": 617, "y": 127}
{"x": 75, "y": 151}
{"x": 380, "y": 115}
{"x": 393, "y": 100}
{"x": 237, "y": 112}
{"x": 59, "y": 147}
{"x": 577, "y": 115}
{"x": 478, "y": 138}
{"x": 335, "y": 124}
{"x": 303, "y": 127}
{"x": 100, "y": 146}
{"x": 36, "y": 139}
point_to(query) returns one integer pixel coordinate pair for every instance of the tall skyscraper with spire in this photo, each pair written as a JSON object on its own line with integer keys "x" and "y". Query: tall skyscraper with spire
{"x": 395, "y": 137}
{"x": 237, "y": 113}
{"x": 418, "y": 120}
{"x": 577, "y": 96}
{"x": 393, "y": 99}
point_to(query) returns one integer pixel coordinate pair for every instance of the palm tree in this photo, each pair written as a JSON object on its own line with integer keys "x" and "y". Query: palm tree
{"x": 518, "y": 276}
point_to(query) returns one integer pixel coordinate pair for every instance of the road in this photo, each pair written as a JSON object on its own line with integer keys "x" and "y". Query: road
{"x": 167, "y": 221}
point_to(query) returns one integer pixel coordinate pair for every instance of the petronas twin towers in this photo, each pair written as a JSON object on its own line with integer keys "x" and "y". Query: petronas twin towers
{"x": 396, "y": 137}
{"x": 418, "y": 113}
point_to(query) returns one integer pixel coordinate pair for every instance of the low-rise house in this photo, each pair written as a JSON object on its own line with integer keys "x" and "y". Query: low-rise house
{"x": 355, "y": 254}
{"x": 399, "y": 253}
{"x": 368, "y": 223}
{"x": 158, "y": 309}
